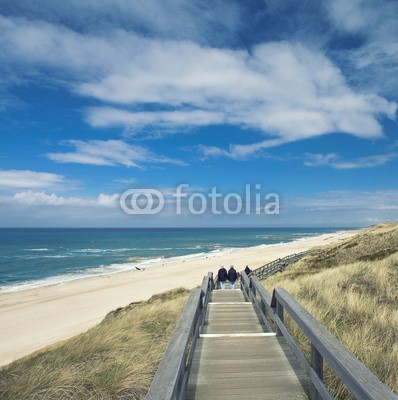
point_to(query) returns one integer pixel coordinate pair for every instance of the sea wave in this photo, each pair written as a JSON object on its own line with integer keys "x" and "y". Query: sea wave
{"x": 79, "y": 251}
{"x": 38, "y": 257}
{"x": 57, "y": 256}
{"x": 43, "y": 249}
{"x": 121, "y": 250}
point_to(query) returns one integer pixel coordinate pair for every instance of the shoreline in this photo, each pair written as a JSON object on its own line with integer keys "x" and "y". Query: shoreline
{"x": 132, "y": 266}
{"x": 31, "y": 319}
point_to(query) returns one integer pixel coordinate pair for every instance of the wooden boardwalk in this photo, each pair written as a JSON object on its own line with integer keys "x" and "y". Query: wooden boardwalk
{"x": 235, "y": 358}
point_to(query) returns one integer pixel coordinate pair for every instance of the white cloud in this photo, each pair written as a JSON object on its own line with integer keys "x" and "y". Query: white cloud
{"x": 347, "y": 200}
{"x": 316, "y": 160}
{"x": 109, "y": 152}
{"x": 373, "y": 66}
{"x": 372, "y": 18}
{"x": 108, "y": 117}
{"x": 39, "y": 44}
{"x": 282, "y": 89}
{"x": 42, "y": 198}
{"x": 389, "y": 207}
{"x": 194, "y": 20}
{"x": 351, "y": 16}
{"x": 105, "y": 200}
{"x": 366, "y": 162}
{"x": 334, "y": 161}
{"x": 30, "y": 198}
{"x": 128, "y": 181}
{"x": 25, "y": 179}
{"x": 239, "y": 152}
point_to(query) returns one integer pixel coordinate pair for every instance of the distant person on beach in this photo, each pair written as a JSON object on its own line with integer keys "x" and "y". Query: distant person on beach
{"x": 248, "y": 271}
{"x": 222, "y": 277}
{"x": 232, "y": 276}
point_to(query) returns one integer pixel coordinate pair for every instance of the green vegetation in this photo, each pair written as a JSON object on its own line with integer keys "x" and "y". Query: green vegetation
{"x": 115, "y": 360}
{"x": 352, "y": 288}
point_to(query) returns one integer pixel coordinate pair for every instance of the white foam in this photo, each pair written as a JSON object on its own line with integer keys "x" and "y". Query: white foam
{"x": 56, "y": 256}
{"x": 43, "y": 249}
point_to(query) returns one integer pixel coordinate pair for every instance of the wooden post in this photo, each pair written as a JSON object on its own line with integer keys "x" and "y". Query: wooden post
{"x": 262, "y": 305}
{"x": 279, "y": 312}
{"x": 317, "y": 364}
{"x": 263, "y": 308}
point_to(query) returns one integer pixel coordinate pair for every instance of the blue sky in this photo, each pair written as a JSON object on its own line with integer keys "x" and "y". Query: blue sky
{"x": 97, "y": 97}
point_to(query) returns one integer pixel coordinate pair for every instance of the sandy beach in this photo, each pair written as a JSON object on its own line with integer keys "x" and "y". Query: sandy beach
{"x": 33, "y": 319}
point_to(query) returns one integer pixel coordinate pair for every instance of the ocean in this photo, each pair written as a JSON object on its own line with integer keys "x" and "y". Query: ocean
{"x": 32, "y": 258}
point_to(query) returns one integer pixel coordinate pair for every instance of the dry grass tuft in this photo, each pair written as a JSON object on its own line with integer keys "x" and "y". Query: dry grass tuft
{"x": 115, "y": 360}
{"x": 352, "y": 288}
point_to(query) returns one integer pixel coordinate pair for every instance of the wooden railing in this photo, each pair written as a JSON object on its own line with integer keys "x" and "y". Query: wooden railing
{"x": 277, "y": 265}
{"x": 216, "y": 282}
{"x": 171, "y": 378}
{"x": 362, "y": 383}
{"x": 266, "y": 270}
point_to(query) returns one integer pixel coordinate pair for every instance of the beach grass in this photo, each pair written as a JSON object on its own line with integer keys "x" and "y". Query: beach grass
{"x": 117, "y": 359}
{"x": 352, "y": 288}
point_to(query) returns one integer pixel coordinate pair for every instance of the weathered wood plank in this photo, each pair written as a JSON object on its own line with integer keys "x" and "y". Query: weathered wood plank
{"x": 239, "y": 317}
{"x": 226, "y": 295}
{"x": 236, "y": 334}
{"x": 214, "y": 303}
{"x": 243, "y": 328}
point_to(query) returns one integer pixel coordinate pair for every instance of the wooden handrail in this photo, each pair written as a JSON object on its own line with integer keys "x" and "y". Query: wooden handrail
{"x": 362, "y": 383}
{"x": 277, "y": 265}
{"x": 171, "y": 377}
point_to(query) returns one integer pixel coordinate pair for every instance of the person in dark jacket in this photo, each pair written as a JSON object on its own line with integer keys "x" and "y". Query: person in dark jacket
{"x": 222, "y": 277}
{"x": 232, "y": 276}
{"x": 248, "y": 271}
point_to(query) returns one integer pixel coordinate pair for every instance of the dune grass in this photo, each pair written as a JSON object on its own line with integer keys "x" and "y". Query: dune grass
{"x": 117, "y": 359}
{"x": 352, "y": 288}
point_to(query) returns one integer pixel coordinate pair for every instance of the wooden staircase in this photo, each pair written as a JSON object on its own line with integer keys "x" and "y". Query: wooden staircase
{"x": 236, "y": 358}
{"x": 223, "y": 348}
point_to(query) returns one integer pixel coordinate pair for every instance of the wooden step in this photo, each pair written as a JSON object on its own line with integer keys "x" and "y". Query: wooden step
{"x": 228, "y": 286}
{"x": 231, "y": 318}
{"x": 245, "y": 368}
{"x": 227, "y": 296}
